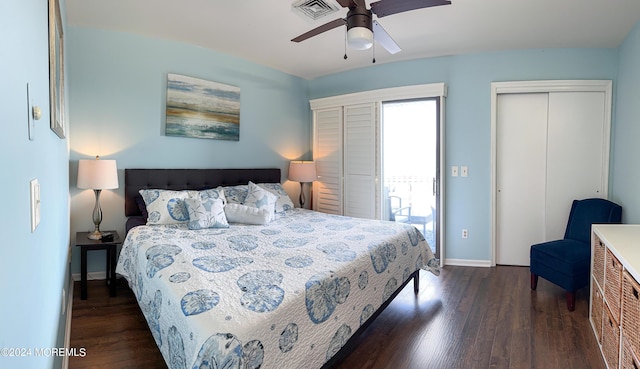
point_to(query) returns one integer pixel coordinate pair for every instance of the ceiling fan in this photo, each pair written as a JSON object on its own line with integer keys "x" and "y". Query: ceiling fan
{"x": 362, "y": 29}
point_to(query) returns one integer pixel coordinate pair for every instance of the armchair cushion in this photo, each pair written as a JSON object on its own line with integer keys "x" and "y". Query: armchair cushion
{"x": 562, "y": 262}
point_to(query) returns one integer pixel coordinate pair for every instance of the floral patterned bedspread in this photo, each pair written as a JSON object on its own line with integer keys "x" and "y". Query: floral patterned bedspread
{"x": 284, "y": 295}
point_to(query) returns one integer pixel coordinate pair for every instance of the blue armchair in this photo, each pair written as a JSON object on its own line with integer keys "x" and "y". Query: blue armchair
{"x": 566, "y": 262}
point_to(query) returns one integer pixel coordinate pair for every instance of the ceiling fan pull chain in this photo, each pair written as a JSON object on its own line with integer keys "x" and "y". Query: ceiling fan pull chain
{"x": 373, "y": 51}
{"x": 345, "y": 45}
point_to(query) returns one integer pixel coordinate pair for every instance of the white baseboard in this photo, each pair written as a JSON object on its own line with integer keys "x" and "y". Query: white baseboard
{"x": 470, "y": 263}
{"x": 67, "y": 330}
{"x": 90, "y": 276}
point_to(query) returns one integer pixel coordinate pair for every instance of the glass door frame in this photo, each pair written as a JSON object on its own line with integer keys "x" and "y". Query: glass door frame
{"x": 436, "y": 181}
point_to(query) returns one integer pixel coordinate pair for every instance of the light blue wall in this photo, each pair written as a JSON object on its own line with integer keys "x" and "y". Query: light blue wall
{"x": 626, "y": 134}
{"x": 117, "y": 85}
{"x": 468, "y": 111}
{"x": 33, "y": 266}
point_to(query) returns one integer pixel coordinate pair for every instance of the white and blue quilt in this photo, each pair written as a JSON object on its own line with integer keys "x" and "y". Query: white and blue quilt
{"x": 287, "y": 294}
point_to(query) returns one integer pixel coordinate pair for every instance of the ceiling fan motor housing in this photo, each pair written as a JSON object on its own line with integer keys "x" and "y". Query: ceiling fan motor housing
{"x": 359, "y": 28}
{"x": 359, "y": 17}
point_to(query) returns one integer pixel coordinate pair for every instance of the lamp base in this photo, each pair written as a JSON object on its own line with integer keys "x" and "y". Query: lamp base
{"x": 95, "y": 235}
{"x": 97, "y": 218}
{"x": 301, "y": 195}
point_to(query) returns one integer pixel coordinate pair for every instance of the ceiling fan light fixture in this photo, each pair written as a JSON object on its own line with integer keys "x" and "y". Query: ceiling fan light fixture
{"x": 360, "y": 38}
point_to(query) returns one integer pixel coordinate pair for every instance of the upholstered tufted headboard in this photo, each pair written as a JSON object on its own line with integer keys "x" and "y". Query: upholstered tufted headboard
{"x": 188, "y": 179}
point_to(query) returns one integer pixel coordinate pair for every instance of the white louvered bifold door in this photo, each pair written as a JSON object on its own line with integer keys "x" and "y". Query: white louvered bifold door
{"x": 327, "y": 153}
{"x": 360, "y": 161}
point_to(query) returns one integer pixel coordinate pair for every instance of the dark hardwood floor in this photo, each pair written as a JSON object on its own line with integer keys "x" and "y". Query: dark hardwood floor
{"x": 465, "y": 318}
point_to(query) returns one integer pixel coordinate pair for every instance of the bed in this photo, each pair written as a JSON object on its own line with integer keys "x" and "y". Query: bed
{"x": 287, "y": 292}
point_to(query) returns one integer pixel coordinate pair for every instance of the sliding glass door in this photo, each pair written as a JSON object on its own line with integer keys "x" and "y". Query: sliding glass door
{"x": 410, "y": 165}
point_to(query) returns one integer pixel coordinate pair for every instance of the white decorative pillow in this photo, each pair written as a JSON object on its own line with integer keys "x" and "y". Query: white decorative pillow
{"x": 260, "y": 198}
{"x": 165, "y": 206}
{"x": 235, "y": 194}
{"x": 284, "y": 201}
{"x": 206, "y": 213}
{"x": 238, "y": 213}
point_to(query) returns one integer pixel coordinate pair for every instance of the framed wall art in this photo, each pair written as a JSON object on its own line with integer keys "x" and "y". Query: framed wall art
{"x": 202, "y": 109}
{"x": 56, "y": 70}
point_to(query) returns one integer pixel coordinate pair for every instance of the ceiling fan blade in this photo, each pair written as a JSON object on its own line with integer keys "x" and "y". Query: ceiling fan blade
{"x": 382, "y": 37}
{"x": 323, "y": 28}
{"x": 347, "y": 3}
{"x": 383, "y": 8}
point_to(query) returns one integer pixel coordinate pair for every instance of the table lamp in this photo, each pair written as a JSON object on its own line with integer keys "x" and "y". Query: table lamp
{"x": 97, "y": 175}
{"x": 302, "y": 171}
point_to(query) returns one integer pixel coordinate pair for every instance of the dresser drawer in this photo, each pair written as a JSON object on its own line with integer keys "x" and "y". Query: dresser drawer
{"x": 597, "y": 309}
{"x": 599, "y": 250}
{"x": 628, "y": 359}
{"x": 610, "y": 340}
{"x": 613, "y": 284}
{"x": 631, "y": 312}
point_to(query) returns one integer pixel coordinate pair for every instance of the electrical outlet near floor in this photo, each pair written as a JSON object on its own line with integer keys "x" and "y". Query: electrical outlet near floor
{"x": 465, "y": 233}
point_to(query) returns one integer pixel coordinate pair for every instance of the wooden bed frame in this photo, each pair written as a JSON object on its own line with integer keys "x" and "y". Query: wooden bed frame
{"x": 198, "y": 179}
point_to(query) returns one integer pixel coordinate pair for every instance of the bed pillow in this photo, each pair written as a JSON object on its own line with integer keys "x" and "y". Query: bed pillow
{"x": 260, "y": 198}
{"x": 284, "y": 201}
{"x": 165, "y": 206}
{"x": 213, "y": 193}
{"x": 238, "y": 213}
{"x": 206, "y": 213}
{"x": 235, "y": 194}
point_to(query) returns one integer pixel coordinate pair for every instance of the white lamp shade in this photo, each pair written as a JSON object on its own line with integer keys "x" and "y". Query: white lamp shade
{"x": 97, "y": 174}
{"x": 360, "y": 38}
{"x": 302, "y": 171}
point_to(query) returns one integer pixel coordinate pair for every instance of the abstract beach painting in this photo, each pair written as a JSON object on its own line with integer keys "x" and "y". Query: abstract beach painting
{"x": 202, "y": 109}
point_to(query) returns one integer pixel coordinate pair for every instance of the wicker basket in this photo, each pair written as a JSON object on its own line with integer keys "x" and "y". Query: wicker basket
{"x": 628, "y": 360}
{"x": 631, "y": 312}
{"x": 613, "y": 284}
{"x": 610, "y": 340}
{"x": 598, "y": 260}
{"x": 597, "y": 306}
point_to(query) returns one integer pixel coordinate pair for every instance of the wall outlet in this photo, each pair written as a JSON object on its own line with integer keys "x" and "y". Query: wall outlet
{"x": 465, "y": 233}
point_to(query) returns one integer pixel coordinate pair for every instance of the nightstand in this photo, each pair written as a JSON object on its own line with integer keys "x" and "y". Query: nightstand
{"x": 87, "y": 244}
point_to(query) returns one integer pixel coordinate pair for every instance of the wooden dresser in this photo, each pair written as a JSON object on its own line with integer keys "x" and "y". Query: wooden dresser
{"x": 614, "y": 308}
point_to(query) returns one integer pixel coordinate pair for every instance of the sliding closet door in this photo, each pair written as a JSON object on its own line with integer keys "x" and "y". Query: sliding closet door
{"x": 574, "y": 155}
{"x": 327, "y": 154}
{"x": 551, "y": 148}
{"x": 521, "y": 139}
{"x": 360, "y": 161}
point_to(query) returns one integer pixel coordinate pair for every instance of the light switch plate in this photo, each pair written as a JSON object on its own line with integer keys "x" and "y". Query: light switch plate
{"x": 454, "y": 171}
{"x": 35, "y": 203}
{"x": 464, "y": 171}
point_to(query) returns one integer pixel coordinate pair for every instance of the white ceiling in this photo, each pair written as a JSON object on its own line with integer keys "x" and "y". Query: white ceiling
{"x": 261, "y": 30}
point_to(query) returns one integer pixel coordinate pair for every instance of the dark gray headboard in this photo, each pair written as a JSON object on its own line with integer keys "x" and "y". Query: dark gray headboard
{"x": 188, "y": 179}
